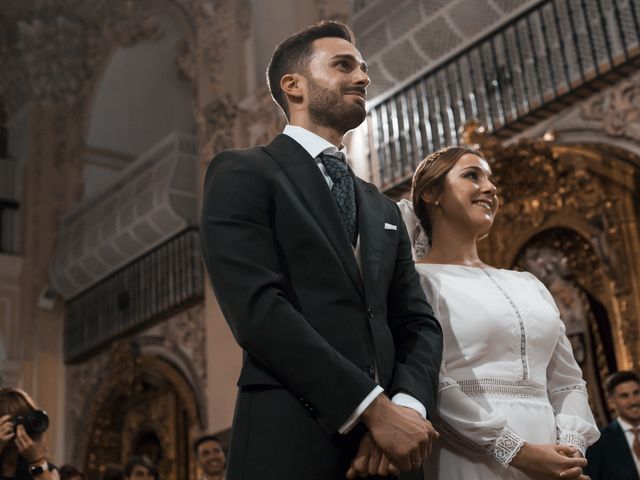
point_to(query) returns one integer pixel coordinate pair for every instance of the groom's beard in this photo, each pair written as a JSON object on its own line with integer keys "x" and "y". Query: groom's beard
{"x": 329, "y": 108}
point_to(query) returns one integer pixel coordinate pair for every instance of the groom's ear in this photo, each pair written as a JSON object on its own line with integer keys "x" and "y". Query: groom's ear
{"x": 294, "y": 87}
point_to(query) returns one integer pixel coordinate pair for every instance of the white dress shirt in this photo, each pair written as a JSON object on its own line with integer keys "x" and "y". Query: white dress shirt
{"x": 626, "y": 428}
{"x": 315, "y": 145}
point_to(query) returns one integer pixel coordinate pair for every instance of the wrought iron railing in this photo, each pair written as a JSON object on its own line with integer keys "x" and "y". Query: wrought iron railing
{"x": 164, "y": 281}
{"x": 512, "y": 77}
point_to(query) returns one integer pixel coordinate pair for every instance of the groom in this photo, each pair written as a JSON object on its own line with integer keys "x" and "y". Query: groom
{"x": 312, "y": 269}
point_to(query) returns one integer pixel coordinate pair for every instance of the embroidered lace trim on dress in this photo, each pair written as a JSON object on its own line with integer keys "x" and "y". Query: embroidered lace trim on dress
{"x": 510, "y": 388}
{"x": 523, "y": 333}
{"x": 573, "y": 438}
{"x": 507, "y": 447}
{"x": 580, "y": 387}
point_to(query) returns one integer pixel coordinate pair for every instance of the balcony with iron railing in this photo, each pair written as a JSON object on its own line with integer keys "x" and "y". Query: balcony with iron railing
{"x": 540, "y": 62}
{"x": 128, "y": 256}
{"x": 168, "y": 279}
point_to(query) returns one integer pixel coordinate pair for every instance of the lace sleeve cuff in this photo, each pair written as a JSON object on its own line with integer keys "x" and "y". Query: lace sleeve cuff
{"x": 574, "y": 439}
{"x": 506, "y": 447}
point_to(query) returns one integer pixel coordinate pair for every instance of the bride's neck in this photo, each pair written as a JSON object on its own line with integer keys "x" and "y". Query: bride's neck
{"x": 453, "y": 248}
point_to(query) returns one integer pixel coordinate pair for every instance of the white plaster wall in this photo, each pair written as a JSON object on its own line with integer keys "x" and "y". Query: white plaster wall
{"x": 273, "y": 21}
{"x": 141, "y": 98}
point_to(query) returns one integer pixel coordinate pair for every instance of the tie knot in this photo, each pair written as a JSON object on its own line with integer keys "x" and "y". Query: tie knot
{"x": 336, "y": 167}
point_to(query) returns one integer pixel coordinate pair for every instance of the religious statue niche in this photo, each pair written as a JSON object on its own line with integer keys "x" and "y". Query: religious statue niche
{"x": 561, "y": 258}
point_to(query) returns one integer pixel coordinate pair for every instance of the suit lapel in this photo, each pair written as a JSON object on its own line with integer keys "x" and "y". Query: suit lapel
{"x": 371, "y": 230}
{"x": 311, "y": 186}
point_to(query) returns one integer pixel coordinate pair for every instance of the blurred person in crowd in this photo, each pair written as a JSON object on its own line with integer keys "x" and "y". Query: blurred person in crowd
{"x": 140, "y": 467}
{"x": 211, "y": 457}
{"x": 70, "y": 472}
{"x": 23, "y": 451}
{"x": 113, "y": 471}
{"x": 616, "y": 456}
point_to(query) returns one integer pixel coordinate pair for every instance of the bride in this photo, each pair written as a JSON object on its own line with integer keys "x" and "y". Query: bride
{"x": 512, "y": 403}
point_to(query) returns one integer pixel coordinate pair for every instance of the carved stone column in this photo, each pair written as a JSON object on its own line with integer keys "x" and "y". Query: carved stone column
{"x": 214, "y": 63}
{"x": 55, "y": 59}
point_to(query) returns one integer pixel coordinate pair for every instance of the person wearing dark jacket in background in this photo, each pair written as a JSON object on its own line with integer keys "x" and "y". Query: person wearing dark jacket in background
{"x": 616, "y": 456}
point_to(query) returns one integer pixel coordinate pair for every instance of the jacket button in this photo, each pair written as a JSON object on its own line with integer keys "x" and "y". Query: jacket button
{"x": 371, "y": 372}
{"x": 370, "y": 314}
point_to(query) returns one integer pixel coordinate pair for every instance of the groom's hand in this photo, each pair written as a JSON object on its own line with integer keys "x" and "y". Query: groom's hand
{"x": 401, "y": 432}
{"x": 370, "y": 461}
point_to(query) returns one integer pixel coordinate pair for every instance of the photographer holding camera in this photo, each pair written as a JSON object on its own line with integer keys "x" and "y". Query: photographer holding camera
{"x": 22, "y": 447}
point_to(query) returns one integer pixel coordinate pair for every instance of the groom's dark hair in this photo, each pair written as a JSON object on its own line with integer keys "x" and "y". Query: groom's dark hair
{"x": 293, "y": 54}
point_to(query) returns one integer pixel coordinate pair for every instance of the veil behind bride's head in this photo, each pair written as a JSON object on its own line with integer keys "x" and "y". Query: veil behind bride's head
{"x": 417, "y": 235}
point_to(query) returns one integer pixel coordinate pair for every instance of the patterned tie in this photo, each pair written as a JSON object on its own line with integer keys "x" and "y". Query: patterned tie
{"x": 636, "y": 441}
{"x": 343, "y": 192}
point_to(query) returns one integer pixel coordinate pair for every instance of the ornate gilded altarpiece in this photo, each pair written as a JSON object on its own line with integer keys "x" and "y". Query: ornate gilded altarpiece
{"x": 570, "y": 215}
{"x": 144, "y": 395}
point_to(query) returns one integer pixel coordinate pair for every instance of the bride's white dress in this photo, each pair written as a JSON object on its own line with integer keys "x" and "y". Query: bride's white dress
{"x": 508, "y": 373}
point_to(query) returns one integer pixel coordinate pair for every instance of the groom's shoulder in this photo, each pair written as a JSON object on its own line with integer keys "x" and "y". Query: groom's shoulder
{"x": 248, "y": 154}
{"x": 372, "y": 188}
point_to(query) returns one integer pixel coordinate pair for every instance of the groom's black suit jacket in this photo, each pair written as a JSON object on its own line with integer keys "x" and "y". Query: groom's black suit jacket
{"x": 313, "y": 325}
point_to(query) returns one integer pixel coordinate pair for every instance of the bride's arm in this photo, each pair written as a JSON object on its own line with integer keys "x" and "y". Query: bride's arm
{"x": 470, "y": 427}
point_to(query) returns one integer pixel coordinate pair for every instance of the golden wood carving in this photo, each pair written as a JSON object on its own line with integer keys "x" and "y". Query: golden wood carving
{"x": 144, "y": 405}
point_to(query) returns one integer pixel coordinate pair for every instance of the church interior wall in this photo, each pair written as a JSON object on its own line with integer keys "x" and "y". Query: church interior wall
{"x": 176, "y": 81}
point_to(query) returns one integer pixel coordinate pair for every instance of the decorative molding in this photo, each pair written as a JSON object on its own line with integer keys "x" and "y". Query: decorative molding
{"x": 82, "y": 379}
{"x": 244, "y": 17}
{"x": 617, "y": 109}
{"x": 184, "y": 334}
{"x": 59, "y": 56}
{"x": 130, "y": 22}
{"x": 186, "y": 61}
{"x": 216, "y": 123}
{"x": 260, "y": 119}
{"x": 214, "y": 21}
{"x": 56, "y": 58}
{"x": 122, "y": 372}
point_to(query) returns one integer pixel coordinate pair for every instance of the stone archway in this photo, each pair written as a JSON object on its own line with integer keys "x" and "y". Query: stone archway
{"x": 145, "y": 405}
{"x": 574, "y": 204}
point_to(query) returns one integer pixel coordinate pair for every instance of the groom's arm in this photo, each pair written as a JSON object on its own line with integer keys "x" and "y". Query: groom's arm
{"x": 242, "y": 258}
{"x": 417, "y": 335}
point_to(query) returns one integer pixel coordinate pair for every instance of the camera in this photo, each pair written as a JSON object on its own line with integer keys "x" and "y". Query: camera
{"x": 34, "y": 422}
